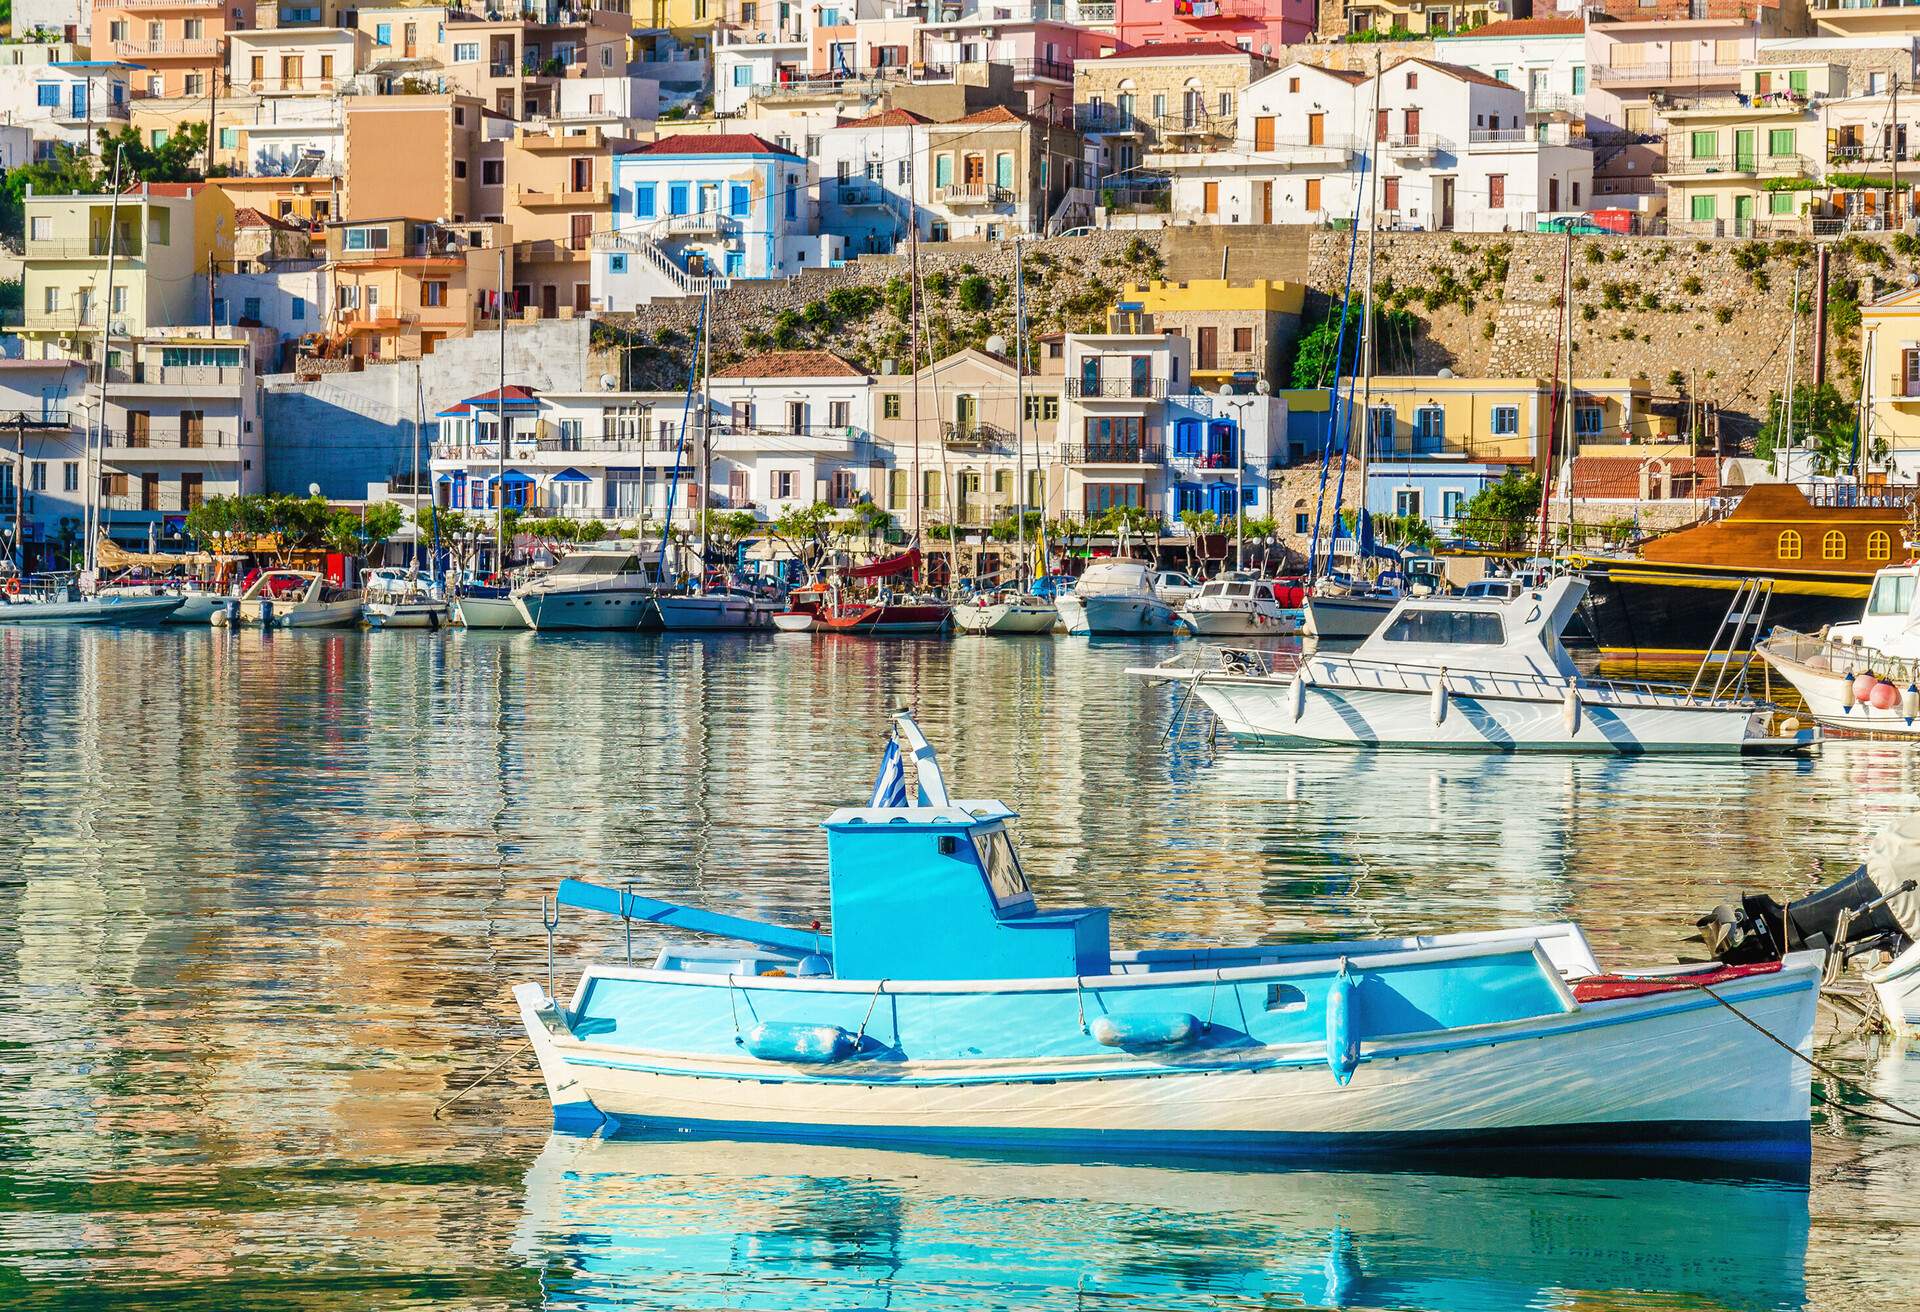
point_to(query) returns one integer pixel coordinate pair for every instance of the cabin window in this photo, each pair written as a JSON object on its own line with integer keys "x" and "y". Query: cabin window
{"x": 1448, "y": 627}
{"x": 1879, "y": 546}
{"x": 1789, "y": 546}
{"x": 1285, "y": 997}
{"x": 1892, "y": 595}
{"x": 1004, "y": 876}
{"x": 1834, "y": 545}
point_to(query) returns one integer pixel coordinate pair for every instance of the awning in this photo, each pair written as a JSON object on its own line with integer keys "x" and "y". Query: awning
{"x": 903, "y": 563}
{"x": 570, "y": 476}
{"x": 511, "y": 477}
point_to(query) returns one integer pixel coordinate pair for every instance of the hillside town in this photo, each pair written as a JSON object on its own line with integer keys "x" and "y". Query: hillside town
{"x": 409, "y": 253}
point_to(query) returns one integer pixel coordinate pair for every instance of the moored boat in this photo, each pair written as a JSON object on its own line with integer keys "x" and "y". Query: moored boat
{"x": 597, "y": 590}
{"x": 1242, "y": 606}
{"x": 715, "y": 610}
{"x": 1861, "y": 677}
{"x": 291, "y": 599}
{"x": 947, "y": 1007}
{"x": 398, "y": 599}
{"x": 884, "y": 616}
{"x": 1115, "y": 598}
{"x": 61, "y": 602}
{"x": 1007, "y": 611}
{"x": 1454, "y": 672}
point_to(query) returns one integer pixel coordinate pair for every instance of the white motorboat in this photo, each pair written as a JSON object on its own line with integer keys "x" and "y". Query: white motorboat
{"x": 1347, "y": 610}
{"x": 1174, "y": 587}
{"x": 198, "y": 600}
{"x": 399, "y": 599}
{"x": 1451, "y": 672}
{"x": 1006, "y": 612}
{"x": 1113, "y": 598}
{"x": 1237, "y": 607}
{"x": 487, "y": 608}
{"x": 291, "y": 599}
{"x": 63, "y": 603}
{"x": 716, "y": 611}
{"x": 599, "y": 590}
{"x": 1863, "y": 677}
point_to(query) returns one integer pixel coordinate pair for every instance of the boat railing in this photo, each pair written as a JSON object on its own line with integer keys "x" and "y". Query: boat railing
{"x": 1419, "y": 678}
{"x": 1840, "y": 657}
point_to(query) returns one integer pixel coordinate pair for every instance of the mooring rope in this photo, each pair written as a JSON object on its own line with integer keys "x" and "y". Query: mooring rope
{"x": 502, "y": 1065}
{"x": 1912, "y": 1117}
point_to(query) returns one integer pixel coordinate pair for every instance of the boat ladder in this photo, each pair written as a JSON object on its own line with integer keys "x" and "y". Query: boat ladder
{"x": 1739, "y": 630}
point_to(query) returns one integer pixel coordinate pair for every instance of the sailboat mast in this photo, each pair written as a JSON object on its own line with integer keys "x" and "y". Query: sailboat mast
{"x": 1793, "y": 359}
{"x": 1366, "y": 318}
{"x": 500, "y": 433}
{"x": 97, "y": 441}
{"x": 418, "y": 420}
{"x": 706, "y": 427}
{"x": 1020, "y": 412}
{"x": 913, "y": 359}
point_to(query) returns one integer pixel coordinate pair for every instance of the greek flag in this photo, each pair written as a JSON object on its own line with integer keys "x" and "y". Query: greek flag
{"x": 890, "y": 785}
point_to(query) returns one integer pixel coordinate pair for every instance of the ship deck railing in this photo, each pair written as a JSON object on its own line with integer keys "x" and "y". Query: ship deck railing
{"x": 1810, "y": 648}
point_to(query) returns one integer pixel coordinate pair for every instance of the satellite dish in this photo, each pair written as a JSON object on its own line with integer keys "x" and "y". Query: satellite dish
{"x": 1445, "y": 372}
{"x": 1263, "y": 387}
{"x": 1226, "y": 389}
{"x": 119, "y": 327}
{"x": 313, "y": 489}
{"x": 607, "y": 382}
{"x": 996, "y": 345}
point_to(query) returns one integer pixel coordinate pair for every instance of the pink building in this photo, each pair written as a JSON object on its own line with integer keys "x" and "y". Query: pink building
{"x": 1041, "y": 54}
{"x": 1260, "y": 26}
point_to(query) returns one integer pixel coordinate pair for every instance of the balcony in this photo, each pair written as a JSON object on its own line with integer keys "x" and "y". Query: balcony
{"x": 1218, "y": 11}
{"x": 200, "y": 48}
{"x": 705, "y": 223}
{"x": 1117, "y": 389}
{"x": 69, "y": 320}
{"x": 1903, "y": 389}
{"x": 1194, "y": 129}
{"x": 534, "y": 199}
{"x": 1665, "y": 73}
{"x": 1411, "y": 145}
{"x": 1752, "y": 164}
{"x": 172, "y": 444}
{"x": 127, "y": 246}
{"x": 861, "y": 193}
{"x": 168, "y": 4}
{"x": 1112, "y": 453}
{"x": 966, "y": 195}
{"x": 1099, "y": 12}
{"x": 1048, "y": 70}
{"x": 199, "y": 379}
{"x": 91, "y": 112}
{"x": 1110, "y": 119}
{"x": 974, "y": 436}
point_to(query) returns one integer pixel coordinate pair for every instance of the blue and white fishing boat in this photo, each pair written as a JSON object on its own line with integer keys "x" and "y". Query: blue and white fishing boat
{"x": 947, "y": 1007}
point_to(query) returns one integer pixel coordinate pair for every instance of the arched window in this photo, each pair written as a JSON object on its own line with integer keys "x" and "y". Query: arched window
{"x": 1789, "y": 545}
{"x": 1834, "y": 545}
{"x": 1879, "y": 546}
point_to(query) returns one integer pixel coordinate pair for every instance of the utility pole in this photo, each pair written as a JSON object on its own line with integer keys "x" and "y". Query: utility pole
{"x": 1894, "y": 136}
{"x": 213, "y": 101}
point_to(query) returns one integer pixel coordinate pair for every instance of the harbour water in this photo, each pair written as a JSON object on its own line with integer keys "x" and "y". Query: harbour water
{"x": 262, "y": 898}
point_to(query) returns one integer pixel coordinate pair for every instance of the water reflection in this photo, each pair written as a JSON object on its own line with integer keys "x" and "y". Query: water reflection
{"x": 626, "y": 1224}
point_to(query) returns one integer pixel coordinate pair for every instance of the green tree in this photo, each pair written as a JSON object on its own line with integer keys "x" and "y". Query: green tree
{"x": 1502, "y": 516}
{"x": 1823, "y": 419}
{"x": 726, "y": 529}
{"x": 868, "y": 521}
{"x": 216, "y": 523}
{"x": 802, "y": 530}
{"x": 70, "y": 172}
{"x": 1134, "y": 519}
{"x": 1404, "y": 530}
{"x": 1313, "y": 360}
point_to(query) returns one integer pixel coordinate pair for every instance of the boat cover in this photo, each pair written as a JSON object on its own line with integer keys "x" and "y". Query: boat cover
{"x": 904, "y": 563}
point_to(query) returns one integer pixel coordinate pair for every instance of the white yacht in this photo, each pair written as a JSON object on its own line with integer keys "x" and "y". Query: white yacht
{"x": 1863, "y": 677}
{"x": 1116, "y": 597}
{"x": 716, "y": 611}
{"x": 1347, "y": 609}
{"x": 588, "y": 590}
{"x": 61, "y": 602}
{"x": 1237, "y": 606}
{"x": 1008, "y": 611}
{"x": 399, "y": 599}
{"x": 1450, "y": 672}
{"x": 291, "y": 599}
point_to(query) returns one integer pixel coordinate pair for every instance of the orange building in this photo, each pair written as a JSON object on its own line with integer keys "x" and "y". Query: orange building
{"x": 401, "y": 286}
{"x": 559, "y": 193}
{"x": 434, "y": 156}
{"x": 179, "y": 44}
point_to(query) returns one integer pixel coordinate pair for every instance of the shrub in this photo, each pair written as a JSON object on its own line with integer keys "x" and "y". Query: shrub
{"x": 1595, "y": 255}
{"x": 1691, "y": 284}
{"x": 1723, "y": 315}
{"x": 976, "y": 294}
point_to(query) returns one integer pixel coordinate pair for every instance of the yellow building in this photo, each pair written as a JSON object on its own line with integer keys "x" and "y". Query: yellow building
{"x": 686, "y": 19}
{"x": 1421, "y": 17}
{"x": 1890, "y": 344}
{"x": 1743, "y": 163}
{"x": 164, "y": 235}
{"x": 1238, "y": 330}
{"x": 559, "y": 185}
{"x": 402, "y": 286}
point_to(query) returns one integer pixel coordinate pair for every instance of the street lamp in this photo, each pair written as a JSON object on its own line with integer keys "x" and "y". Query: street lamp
{"x": 1239, "y": 405}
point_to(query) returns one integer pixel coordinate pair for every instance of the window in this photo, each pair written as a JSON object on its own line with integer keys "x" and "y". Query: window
{"x": 1186, "y": 437}
{"x": 1429, "y": 423}
{"x": 249, "y": 308}
{"x": 743, "y": 75}
{"x": 366, "y": 239}
{"x": 433, "y": 293}
{"x": 1043, "y": 407}
{"x": 1390, "y": 193}
{"x": 466, "y": 52}
{"x": 1780, "y": 141}
{"x": 1242, "y": 341}
{"x": 1788, "y": 547}
{"x": 70, "y": 477}
{"x": 299, "y": 312}
{"x": 1704, "y": 145}
{"x": 737, "y": 200}
{"x": 1450, "y": 503}
{"x": 1879, "y": 546}
{"x": 1579, "y": 79}
{"x": 1704, "y": 208}
{"x": 229, "y": 138}
{"x": 1834, "y": 545}
{"x": 783, "y": 485}
{"x": 1892, "y": 595}
{"x": 1587, "y": 420}
{"x": 383, "y": 34}
{"x": 1005, "y": 880}
{"x": 1447, "y": 627}
{"x": 48, "y": 95}
{"x": 492, "y": 172}
{"x": 41, "y": 228}
{"x": 793, "y": 199}
{"x": 616, "y": 264}
{"x": 1406, "y": 503}
{"x": 1003, "y": 170}
{"x": 1506, "y": 420}
{"x": 37, "y": 476}
{"x": 897, "y": 490}
{"x": 159, "y": 136}
{"x": 943, "y": 170}
{"x": 459, "y": 168}
{"x": 677, "y": 198}
{"x": 1779, "y": 202}
{"x": 1302, "y": 522}
{"x": 643, "y": 202}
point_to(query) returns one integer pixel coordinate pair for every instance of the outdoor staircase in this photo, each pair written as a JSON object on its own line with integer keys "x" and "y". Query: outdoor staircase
{"x": 660, "y": 262}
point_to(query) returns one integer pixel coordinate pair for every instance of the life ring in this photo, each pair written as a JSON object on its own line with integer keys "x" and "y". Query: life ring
{"x": 13, "y": 587}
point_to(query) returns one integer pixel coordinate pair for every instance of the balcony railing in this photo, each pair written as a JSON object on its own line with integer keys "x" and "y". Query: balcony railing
{"x": 179, "y": 375}
{"x": 1112, "y": 453}
{"x": 1655, "y": 74}
{"x": 537, "y": 198}
{"x": 1099, "y": 12}
{"x": 172, "y": 441}
{"x": 1793, "y": 166}
{"x": 705, "y": 223}
{"x": 958, "y": 434}
{"x": 1105, "y": 118}
{"x": 1411, "y": 143}
{"x": 973, "y": 193}
{"x": 1117, "y": 389}
{"x": 81, "y": 248}
{"x": 153, "y": 49}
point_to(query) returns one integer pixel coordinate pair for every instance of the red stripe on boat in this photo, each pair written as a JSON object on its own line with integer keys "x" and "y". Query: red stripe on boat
{"x": 1601, "y": 988}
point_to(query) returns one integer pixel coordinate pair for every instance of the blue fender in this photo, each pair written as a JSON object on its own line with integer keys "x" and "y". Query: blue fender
{"x": 811, "y": 1045}
{"x": 1343, "y": 1037}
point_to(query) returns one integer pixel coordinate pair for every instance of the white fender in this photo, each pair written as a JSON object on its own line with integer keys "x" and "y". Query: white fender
{"x": 1297, "y": 696}
{"x": 1910, "y": 702}
{"x": 1439, "y": 707}
{"x": 1846, "y": 693}
{"x": 1570, "y": 709}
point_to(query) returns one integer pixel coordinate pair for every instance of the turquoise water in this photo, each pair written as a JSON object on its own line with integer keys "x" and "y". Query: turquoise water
{"x": 262, "y": 898}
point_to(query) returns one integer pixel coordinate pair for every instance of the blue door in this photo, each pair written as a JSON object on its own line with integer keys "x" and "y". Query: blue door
{"x": 78, "y": 97}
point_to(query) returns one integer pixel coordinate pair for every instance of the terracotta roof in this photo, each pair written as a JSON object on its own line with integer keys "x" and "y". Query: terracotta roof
{"x": 997, "y": 114}
{"x": 249, "y": 217}
{"x": 1573, "y": 26}
{"x": 1351, "y": 77}
{"x": 1457, "y": 70}
{"x": 1617, "y": 478}
{"x": 174, "y": 189}
{"x": 888, "y": 118}
{"x": 1179, "y": 50}
{"x": 513, "y": 394}
{"x": 712, "y": 143}
{"x": 790, "y": 364}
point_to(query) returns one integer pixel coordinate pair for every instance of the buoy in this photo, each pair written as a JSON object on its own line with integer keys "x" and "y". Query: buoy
{"x": 13, "y": 587}
{"x": 1884, "y": 696}
{"x": 1440, "y": 698}
{"x": 1863, "y": 685}
{"x": 1846, "y": 693}
{"x": 1343, "y": 1042}
{"x": 1570, "y": 709}
{"x": 1910, "y": 702}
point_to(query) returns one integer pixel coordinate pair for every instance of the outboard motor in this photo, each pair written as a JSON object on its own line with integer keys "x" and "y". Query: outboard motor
{"x": 1875, "y": 907}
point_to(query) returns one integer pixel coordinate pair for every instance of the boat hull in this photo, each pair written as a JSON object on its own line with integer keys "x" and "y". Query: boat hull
{"x": 1115, "y": 615}
{"x": 586, "y": 610}
{"x": 488, "y": 613}
{"x": 1897, "y": 987}
{"x": 196, "y": 608}
{"x": 115, "y": 611}
{"x": 1828, "y": 695}
{"x": 793, "y": 621}
{"x": 889, "y": 620}
{"x": 1681, "y": 1072}
{"x": 713, "y": 614}
{"x": 1238, "y": 622}
{"x": 1525, "y": 717}
{"x": 1648, "y": 617}
{"x": 408, "y": 615}
{"x": 1345, "y": 617}
{"x": 1006, "y": 617}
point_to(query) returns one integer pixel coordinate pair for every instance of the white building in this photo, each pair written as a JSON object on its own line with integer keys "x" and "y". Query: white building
{"x": 1452, "y": 151}
{"x": 296, "y": 61}
{"x": 1546, "y": 57}
{"x": 71, "y": 20}
{"x": 624, "y": 106}
{"x": 867, "y": 185}
{"x": 288, "y": 301}
{"x": 1113, "y": 427}
{"x": 65, "y": 102}
{"x": 793, "y": 428}
{"x": 295, "y": 134}
{"x": 41, "y": 454}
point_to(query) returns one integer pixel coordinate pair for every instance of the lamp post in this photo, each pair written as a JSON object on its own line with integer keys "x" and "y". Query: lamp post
{"x": 1239, "y": 405}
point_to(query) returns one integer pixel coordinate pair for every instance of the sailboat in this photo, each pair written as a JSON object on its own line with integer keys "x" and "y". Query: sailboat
{"x": 1013, "y": 610}
{"x": 705, "y": 609}
{"x": 398, "y": 598}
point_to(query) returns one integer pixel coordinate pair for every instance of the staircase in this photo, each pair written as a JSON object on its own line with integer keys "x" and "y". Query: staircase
{"x": 660, "y": 262}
